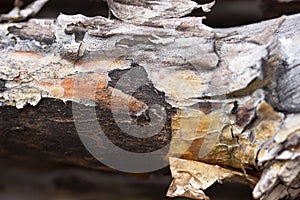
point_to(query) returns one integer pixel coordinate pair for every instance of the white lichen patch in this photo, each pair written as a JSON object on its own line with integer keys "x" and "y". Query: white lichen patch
{"x": 290, "y": 49}
{"x": 19, "y": 97}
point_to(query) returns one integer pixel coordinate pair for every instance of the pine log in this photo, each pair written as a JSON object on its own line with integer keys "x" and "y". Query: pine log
{"x": 225, "y": 97}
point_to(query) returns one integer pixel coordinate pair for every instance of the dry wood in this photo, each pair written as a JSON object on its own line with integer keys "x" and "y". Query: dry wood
{"x": 228, "y": 97}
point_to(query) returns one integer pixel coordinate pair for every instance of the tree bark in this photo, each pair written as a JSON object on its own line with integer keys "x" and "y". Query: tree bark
{"x": 226, "y": 97}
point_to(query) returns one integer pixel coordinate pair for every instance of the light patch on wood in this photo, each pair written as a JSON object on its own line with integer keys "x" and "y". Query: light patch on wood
{"x": 190, "y": 178}
{"x": 19, "y": 97}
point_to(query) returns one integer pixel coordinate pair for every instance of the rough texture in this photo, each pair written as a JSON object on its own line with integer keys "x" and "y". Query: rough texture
{"x": 146, "y": 10}
{"x": 229, "y": 97}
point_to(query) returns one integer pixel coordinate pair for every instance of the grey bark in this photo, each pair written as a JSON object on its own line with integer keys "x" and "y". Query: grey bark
{"x": 180, "y": 63}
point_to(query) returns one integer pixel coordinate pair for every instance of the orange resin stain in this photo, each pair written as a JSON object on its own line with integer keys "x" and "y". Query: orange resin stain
{"x": 86, "y": 87}
{"x": 28, "y": 55}
{"x": 92, "y": 87}
{"x": 46, "y": 84}
{"x": 68, "y": 86}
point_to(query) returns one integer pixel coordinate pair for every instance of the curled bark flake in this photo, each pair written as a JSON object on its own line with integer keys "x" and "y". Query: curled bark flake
{"x": 279, "y": 159}
{"x": 139, "y": 12}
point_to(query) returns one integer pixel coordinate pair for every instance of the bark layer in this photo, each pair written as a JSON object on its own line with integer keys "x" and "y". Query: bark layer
{"x": 225, "y": 96}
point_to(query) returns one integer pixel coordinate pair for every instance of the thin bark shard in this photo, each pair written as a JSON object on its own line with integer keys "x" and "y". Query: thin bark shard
{"x": 139, "y": 12}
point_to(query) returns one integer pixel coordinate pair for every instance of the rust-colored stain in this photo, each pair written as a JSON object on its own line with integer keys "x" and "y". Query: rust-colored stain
{"x": 243, "y": 116}
{"x": 68, "y": 86}
{"x": 46, "y": 84}
{"x": 28, "y": 54}
{"x": 192, "y": 153}
{"x": 91, "y": 87}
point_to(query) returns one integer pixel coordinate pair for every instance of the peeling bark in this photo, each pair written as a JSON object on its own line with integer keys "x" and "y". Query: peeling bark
{"x": 228, "y": 97}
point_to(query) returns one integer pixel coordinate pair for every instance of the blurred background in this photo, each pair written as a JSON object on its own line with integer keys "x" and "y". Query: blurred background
{"x": 51, "y": 181}
{"x": 225, "y": 13}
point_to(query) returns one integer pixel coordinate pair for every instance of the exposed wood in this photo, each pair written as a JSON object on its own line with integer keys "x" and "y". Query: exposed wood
{"x": 226, "y": 97}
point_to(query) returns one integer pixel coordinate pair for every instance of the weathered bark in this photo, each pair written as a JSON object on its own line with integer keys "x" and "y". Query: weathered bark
{"x": 226, "y": 97}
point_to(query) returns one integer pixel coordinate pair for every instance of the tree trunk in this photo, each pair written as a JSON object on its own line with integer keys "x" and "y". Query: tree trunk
{"x": 81, "y": 90}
